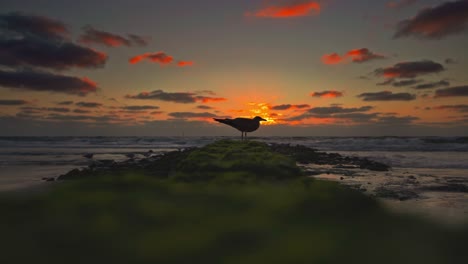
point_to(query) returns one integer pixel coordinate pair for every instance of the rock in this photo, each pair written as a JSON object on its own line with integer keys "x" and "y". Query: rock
{"x": 73, "y": 174}
{"x": 451, "y": 187}
{"x": 49, "y": 179}
{"x": 161, "y": 165}
{"x": 401, "y": 195}
{"x": 373, "y": 166}
{"x": 88, "y": 155}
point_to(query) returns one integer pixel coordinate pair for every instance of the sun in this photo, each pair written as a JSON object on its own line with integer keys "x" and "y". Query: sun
{"x": 262, "y": 110}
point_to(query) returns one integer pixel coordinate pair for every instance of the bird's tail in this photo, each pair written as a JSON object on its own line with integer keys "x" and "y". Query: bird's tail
{"x": 224, "y": 121}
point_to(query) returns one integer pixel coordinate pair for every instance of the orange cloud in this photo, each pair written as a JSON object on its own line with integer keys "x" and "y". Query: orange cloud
{"x": 355, "y": 55}
{"x": 327, "y": 94}
{"x": 363, "y": 55}
{"x": 205, "y": 99}
{"x": 332, "y": 59}
{"x": 288, "y": 10}
{"x": 156, "y": 57}
{"x": 185, "y": 63}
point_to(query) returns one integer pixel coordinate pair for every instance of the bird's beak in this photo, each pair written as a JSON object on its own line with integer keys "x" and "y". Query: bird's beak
{"x": 263, "y": 119}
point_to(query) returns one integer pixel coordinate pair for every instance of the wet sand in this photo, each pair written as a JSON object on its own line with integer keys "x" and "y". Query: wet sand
{"x": 29, "y": 177}
{"x": 428, "y": 193}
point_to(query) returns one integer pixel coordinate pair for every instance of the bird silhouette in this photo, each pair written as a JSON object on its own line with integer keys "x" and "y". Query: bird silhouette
{"x": 244, "y": 125}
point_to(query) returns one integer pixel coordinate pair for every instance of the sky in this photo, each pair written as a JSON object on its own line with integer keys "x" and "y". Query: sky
{"x": 168, "y": 67}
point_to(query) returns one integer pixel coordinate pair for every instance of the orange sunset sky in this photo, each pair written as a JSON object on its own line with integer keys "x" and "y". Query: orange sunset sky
{"x": 317, "y": 68}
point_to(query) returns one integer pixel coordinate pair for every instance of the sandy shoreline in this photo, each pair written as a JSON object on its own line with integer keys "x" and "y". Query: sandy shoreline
{"x": 400, "y": 189}
{"x": 409, "y": 191}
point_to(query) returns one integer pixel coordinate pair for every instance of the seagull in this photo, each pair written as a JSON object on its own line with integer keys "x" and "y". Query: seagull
{"x": 244, "y": 125}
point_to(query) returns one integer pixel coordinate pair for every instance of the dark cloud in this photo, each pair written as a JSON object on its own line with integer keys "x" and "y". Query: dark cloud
{"x": 281, "y": 107}
{"x": 289, "y": 106}
{"x": 452, "y": 91}
{"x": 65, "y": 103}
{"x": 410, "y": 69}
{"x": 33, "y": 25}
{"x": 88, "y": 104}
{"x": 140, "y": 107}
{"x": 397, "y": 120}
{"x": 437, "y": 22}
{"x": 81, "y": 111}
{"x": 338, "y": 110}
{"x": 386, "y": 82}
{"x": 450, "y": 61}
{"x": 463, "y": 108}
{"x": 58, "y": 109}
{"x": 45, "y": 81}
{"x": 204, "y": 107}
{"x": 178, "y": 97}
{"x": 387, "y": 96}
{"x": 94, "y": 36}
{"x": 46, "y": 53}
{"x": 139, "y": 40}
{"x": 403, "y": 83}
{"x": 60, "y": 117}
{"x": 357, "y": 117}
{"x": 31, "y": 109}
{"x": 184, "y": 98}
{"x": 184, "y": 115}
{"x": 400, "y": 83}
{"x": 432, "y": 85}
{"x": 13, "y": 102}
{"x": 354, "y": 114}
{"x": 28, "y": 40}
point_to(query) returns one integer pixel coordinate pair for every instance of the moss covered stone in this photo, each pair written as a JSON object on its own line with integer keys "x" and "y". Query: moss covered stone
{"x": 236, "y": 161}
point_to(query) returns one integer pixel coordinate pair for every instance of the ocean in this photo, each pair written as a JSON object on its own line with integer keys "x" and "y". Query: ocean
{"x": 24, "y": 161}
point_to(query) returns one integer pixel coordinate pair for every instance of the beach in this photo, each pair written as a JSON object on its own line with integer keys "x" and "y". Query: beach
{"x": 230, "y": 200}
{"x": 417, "y": 165}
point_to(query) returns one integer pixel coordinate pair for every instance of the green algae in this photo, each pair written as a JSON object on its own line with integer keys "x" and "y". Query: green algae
{"x": 218, "y": 205}
{"x": 236, "y": 161}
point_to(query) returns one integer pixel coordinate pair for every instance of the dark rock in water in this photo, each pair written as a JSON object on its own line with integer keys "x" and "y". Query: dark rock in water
{"x": 49, "y": 179}
{"x": 341, "y": 166}
{"x": 452, "y": 187}
{"x": 88, "y": 155}
{"x": 305, "y": 155}
{"x": 74, "y": 174}
{"x": 373, "y": 166}
{"x": 130, "y": 155}
{"x": 401, "y": 195}
{"x": 163, "y": 165}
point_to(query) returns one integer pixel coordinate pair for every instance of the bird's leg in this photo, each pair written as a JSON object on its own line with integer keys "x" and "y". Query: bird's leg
{"x": 245, "y": 135}
{"x": 242, "y": 135}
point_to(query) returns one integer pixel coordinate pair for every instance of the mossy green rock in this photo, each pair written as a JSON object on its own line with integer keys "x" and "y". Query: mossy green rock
{"x": 236, "y": 161}
{"x": 140, "y": 219}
